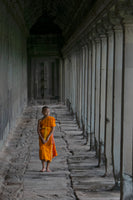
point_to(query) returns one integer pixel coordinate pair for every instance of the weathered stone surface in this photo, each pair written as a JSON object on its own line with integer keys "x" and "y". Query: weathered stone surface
{"x": 13, "y": 69}
{"x": 74, "y": 175}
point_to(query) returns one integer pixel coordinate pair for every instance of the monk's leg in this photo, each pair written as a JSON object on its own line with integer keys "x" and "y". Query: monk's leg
{"x": 47, "y": 169}
{"x": 43, "y": 166}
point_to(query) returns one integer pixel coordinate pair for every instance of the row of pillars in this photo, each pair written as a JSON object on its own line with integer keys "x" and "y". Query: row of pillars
{"x": 99, "y": 91}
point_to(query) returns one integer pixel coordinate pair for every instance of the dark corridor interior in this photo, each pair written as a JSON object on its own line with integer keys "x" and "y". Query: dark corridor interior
{"x": 51, "y": 24}
{"x": 74, "y": 53}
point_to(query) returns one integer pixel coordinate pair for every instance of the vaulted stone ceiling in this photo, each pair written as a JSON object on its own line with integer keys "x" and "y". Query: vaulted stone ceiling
{"x": 62, "y": 15}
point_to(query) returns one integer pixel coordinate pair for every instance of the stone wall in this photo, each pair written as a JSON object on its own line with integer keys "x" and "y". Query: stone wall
{"x": 13, "y": 70}
{"x": 44, "y": 46}
{"x": 43, "y": 82}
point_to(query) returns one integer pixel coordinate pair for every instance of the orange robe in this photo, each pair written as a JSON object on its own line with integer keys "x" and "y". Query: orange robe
{"x": 47, "y": 151}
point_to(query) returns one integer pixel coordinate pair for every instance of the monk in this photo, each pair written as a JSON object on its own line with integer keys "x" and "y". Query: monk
{"x": 45, "y": 129}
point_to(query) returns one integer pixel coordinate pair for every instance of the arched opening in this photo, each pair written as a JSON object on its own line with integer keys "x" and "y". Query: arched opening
{"x": 45, "y": 25}
{"x": 44, "y": 50}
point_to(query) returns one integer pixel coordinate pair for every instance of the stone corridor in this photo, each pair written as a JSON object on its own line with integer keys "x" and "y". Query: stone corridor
{"x": 75, "y": 173}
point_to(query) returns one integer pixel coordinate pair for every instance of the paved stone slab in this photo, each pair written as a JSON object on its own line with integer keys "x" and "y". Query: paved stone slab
{"x": 97, "y": 196}
{"x": 74, "y": 176}
{"x": 86, "y": 176}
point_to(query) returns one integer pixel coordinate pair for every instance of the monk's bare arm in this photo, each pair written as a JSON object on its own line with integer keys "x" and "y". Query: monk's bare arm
{"x": 52, "y": 131}
{"x": 38, "y": 131}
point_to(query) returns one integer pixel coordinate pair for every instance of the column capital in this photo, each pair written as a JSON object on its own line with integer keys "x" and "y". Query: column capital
{"x": 94, "y": 34}
{"x": 100, "y": 29}
{"x": 83, "y": 40}
{"x": 115, "y": 20}
{"x": 107, "y": 24}
{"x": 125, "y": 11}
{"x": 86, "y": 39}
{"x": 97, "y": 40}
{"x": 79, "y": 44}
{"x": 89, "y": 44}
{"x": 127, "y": 20}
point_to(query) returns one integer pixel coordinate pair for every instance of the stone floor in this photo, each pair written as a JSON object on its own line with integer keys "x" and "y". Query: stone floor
{"x": 74, "y": 176}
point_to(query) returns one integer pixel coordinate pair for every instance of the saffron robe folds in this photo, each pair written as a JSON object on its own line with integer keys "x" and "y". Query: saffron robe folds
{"x": 47, "y": 151}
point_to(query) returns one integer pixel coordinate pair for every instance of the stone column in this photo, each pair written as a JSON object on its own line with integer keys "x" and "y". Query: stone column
{"x": 109, "y": 102}
{"x": 82, "y": 85}
{"x": 117, "y": 101}
{"x": 73, "y": 83}
{"x": 32, "y": 83}
{"x": 70, "y": 80}
{"x": 66, "y": 79}
{"x": 97, "y": 105}
{"x": 127, "y": 139}
{"x": 58, "y": 77}
{"x": 61, "y": 81}
{"x": 93, "y": 95}
{"x": 73, "y": 86}
{"x": 89, "y": 91}
{"x": 77, "y": 82}
{"x": 86, "y": 88}
{"x": 80, "y": 89}
{"x": 102, "y": 96}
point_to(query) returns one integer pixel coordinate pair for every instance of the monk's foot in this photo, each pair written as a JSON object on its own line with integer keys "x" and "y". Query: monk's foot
{"x": 43, "y": 170}
{"x": 48, "y": 170}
